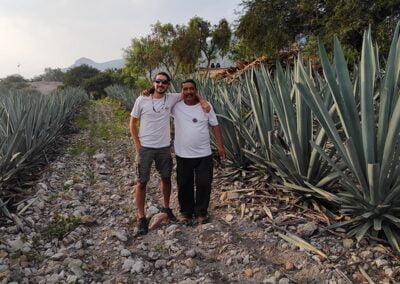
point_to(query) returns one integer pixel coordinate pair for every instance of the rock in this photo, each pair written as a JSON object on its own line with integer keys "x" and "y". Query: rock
{"x": 68, "y": 183}
{"x": 3, "y": 268}
{"x": 246, "y": 259}
{"x": 284, "y": 280}
{"x": 171, "y": 229}
{"x": 16, "y": 245}
{"x": 100, "y": 157}
{"x": 367, "y": 254}
{"x": 157, "y": 220}
{"x": 381, "y": 262}
{"x": 79, "y": 186}
{"x": 72, "y": 279}
{"x": 306, "y": 230}
{"x": 125, "y": 252}
{"x": 289, "y": 265}
{"x": 187, "y": 281}
{"x": 120, "y": 235}
{"x": 161, "y": 263}
{"x": 190, "y": 253}
{"x": 128, "y": 264}
{"x": 248, "y": 272}
{"x": 75, "y": 266}
{"x": 152, "y": 210}
{"x": 229, "y": 217}
{"x": 54, "y": 278}
{"x": 190, "y": 263}
{"x": 271, "y": 280}
{"x": 58, "y": 256}
{"x": 348, "y": 243}
{"x": 154, "y": 255}
{"x": 137, "y": 267}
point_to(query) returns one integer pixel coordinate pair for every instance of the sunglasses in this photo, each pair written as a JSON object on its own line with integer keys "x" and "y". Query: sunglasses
{"x": 164, "y": 82}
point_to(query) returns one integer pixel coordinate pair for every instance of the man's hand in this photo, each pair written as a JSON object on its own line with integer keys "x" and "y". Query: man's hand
{"x": 147, "y": 92}
{"x": 205, "y": 105}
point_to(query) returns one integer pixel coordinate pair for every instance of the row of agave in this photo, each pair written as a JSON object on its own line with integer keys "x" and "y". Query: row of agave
{"x": 126, "y": 96}
{"x": 29, "y": 124}
{"x": 334, "y": 137}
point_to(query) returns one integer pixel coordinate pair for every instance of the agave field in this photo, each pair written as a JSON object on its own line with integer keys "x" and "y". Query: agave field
{"x": 29, "y": 124}
{"x": 331, "y": 136}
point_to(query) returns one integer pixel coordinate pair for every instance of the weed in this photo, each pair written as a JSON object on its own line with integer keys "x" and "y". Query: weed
{"x": 59, "y": 226}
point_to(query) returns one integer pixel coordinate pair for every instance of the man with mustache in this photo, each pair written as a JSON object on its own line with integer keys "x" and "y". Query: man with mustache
{"x": 152, "y": 143}
{"x": 193, "y": 153}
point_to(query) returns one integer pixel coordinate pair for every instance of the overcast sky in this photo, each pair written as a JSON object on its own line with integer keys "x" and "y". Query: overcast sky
{"x": 54, "y": 33}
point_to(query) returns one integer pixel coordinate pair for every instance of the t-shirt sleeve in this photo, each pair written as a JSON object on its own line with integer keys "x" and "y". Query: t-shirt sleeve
{"x": 137, "y": 109}
{"x": 212, "y": 117}
{"x": 175, "y": 97}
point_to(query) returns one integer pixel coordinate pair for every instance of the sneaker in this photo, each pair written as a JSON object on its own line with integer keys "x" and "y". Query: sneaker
{"x": 143, "y": 226}
{"x": 170, "y": 214}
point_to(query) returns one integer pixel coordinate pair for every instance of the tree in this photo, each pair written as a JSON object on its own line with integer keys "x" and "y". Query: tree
{"x": 211, "y": 40}
{"x": 75, "y": 76}
{"x": 95, "y": 85}
{"x": 13, "y": 82}
{"x": 50, "y": 75}
{"x": 266, "y": 27}
{"x": 143, "y": 56}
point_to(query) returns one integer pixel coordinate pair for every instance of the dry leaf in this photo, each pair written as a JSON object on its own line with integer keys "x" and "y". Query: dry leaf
{"x": 242, "y": 210}
{"x": 268, "y": 212}
{"x": 293, "y": 239}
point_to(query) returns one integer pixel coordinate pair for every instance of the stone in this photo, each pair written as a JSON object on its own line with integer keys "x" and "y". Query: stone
{"x": 125, "y": 252}
{"x": 128, "y": 264}
{"x": 161, "y": 263}
{"x": 271, "y": 280}
{"x": 367, "y": 254}
{"x": 229, "y": 217}
{"x": 190, "y": 253}
{"x": 157, "y": 220}
{"x": 3, "y": 268}
{"x": 171, "y": 229}
{"x": 187, "y": 281}
{"x": 306, "y": 230}
{"x": 154, "y": 255}
{"x": 137, "y": 267}
{"x": 284, "y": 280}
{"x": 16, "y": 245}
{"x": 152, "y": 210}
{"x": 289, "y": 265}
{"x": 120, "y": 235}
{"x": 190, "y": 263}
{"x": 248, "y": 272}
{"x": 348, "y": 243}
{"x": 381, "y": 262}
{"x": 72, "y": 279}
{"x": 100, "y": 157}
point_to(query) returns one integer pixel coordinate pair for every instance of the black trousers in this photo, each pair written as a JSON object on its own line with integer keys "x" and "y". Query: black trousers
{"x": 191, "y": 172}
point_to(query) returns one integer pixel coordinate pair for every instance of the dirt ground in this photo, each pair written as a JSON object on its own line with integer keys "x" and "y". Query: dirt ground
{"x": 80, "y": 220}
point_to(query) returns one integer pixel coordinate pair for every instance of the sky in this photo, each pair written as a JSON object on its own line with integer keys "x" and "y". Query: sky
{"x": 35, "y": 34}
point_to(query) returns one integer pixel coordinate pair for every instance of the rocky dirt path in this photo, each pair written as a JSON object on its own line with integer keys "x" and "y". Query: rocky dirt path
{"x": 79, "y": 227}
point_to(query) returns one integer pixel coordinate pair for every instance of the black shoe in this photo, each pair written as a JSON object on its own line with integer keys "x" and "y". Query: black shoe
{"x": 168, "y": 211}
{"x": 143, "y": 226}
{"x": 203, "y": 219}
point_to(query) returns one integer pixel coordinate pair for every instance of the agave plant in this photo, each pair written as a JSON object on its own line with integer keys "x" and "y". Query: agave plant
{"x": 124, "y": 95}
{"x": 367, "y": 138}
{"x": 29, "y": 123}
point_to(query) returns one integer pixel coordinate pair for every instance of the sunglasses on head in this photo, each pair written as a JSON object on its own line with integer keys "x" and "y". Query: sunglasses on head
{"x": 164, "y": 82}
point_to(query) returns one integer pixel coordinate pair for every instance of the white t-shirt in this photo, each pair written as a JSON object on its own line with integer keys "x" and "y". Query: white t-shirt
{"x": 192, "y": 137}
{"x": 154, "y": 115}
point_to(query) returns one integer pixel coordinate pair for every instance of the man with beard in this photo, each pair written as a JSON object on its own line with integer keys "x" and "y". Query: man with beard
{"x": 193, "y": 153}
{"x": 152, "y": 143}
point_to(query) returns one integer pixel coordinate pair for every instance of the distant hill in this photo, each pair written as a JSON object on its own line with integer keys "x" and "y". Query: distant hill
{"x": 117, "y": 63}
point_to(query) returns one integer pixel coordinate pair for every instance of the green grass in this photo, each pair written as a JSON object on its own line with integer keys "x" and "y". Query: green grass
{"x": 59, "y": 226}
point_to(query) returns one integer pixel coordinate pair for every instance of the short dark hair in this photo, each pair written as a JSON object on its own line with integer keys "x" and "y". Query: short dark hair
{"x": 164, "y": 74}
{"x": 189, "y": 81}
